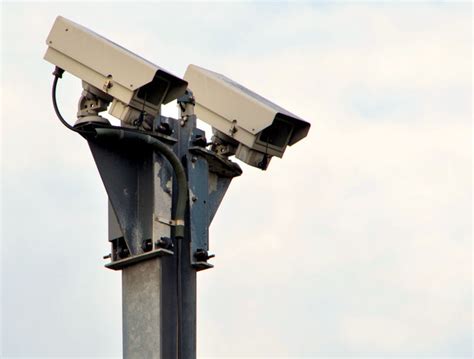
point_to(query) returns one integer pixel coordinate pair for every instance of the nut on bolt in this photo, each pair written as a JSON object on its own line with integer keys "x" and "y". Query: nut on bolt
{"x": 147, "y": 245}
{"x": 202, "y": 255}
{"x": 165, "y": 243}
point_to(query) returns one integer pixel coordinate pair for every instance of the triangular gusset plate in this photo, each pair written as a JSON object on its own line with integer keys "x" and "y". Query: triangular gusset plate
{"x": 127, "y": 173}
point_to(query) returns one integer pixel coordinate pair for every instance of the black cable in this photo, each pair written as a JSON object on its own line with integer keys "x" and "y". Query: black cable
{"x": 179, "y": 297}
{"x": 58, "y": 73}
{"x": 122, "y": 133}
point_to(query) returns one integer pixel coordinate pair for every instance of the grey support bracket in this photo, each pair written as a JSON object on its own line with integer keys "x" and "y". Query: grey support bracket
{"x": 221, "y": 171}
{"x": 135, "y": 177}
{"x": 198, "y": 169}
{"x": 209, "y": 176}
{"x": 127, "y": 174}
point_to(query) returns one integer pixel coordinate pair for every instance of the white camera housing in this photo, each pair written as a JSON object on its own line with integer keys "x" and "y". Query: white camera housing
{"x": 135, "y": 84}
{"x": 258, "y": 128}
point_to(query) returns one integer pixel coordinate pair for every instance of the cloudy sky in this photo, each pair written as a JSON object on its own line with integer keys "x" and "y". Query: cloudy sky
{"x": 357, "y": 243}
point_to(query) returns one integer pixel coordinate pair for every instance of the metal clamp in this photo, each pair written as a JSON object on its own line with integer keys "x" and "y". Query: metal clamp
{"x": 170, "y": 222}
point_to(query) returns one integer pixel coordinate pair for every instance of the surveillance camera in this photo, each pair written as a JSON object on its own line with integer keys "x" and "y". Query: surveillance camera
{"x": 244, "y": 123}
{"x": 134, "y": 85}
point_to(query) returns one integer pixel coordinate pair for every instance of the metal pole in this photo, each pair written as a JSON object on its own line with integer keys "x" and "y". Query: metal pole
{"x": 149, "y": 300}
{"x": 159, "y": 294}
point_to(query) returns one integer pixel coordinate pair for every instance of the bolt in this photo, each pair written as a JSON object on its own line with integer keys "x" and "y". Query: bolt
{"x": 147, "y": 245}
{"x": 107, "y": 256}
{"x": 164, "y": 242}
{"x": 202, "y": 255}
{"x": 194, "y": 159}
{"x": 194, "y": 198}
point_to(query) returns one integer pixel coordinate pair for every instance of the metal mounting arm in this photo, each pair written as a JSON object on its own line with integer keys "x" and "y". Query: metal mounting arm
{"x": 91, "y": 103}
{"x": 127, "y": 135}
